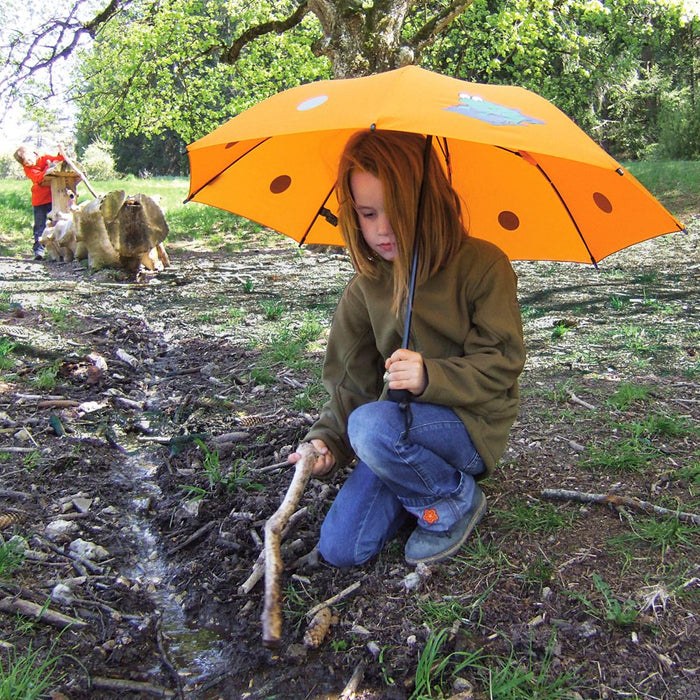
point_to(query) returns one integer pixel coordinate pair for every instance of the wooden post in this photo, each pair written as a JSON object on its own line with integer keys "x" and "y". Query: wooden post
{"x": 63, "y": 182}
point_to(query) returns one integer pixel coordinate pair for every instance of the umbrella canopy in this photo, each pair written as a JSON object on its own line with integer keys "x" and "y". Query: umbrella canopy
{"x": 530, "y": 180}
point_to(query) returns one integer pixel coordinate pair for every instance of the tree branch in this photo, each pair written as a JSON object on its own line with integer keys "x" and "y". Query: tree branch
{"x": 432, "y": 29}
{"x": 231, "y": 53}
{"x": 619, "y": 500}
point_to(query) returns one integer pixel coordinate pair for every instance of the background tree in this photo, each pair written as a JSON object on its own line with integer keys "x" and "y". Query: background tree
{"x": 154, "y": 75}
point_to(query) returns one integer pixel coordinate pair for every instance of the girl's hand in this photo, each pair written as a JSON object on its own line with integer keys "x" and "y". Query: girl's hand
{"x": 406, "y": 370}
{"x": 323, "y": 464}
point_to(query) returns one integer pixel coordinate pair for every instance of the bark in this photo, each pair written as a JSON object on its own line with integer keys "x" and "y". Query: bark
{"x": 620, "y": 501}
{"x": 272, "y": 612}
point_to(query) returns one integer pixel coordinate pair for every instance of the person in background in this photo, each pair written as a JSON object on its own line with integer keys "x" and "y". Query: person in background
{"x": 35, "y": 167}
{"x": 417, "y": 462}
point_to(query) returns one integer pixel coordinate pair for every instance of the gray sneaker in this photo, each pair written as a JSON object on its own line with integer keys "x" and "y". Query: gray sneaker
{"x": 426, "y": 547}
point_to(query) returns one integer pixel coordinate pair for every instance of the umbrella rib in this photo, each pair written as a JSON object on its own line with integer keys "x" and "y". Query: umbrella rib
{"x": 445, "y": 148}
{"x": 327, "y": 214}
{"x": 561, "y": 199}
{"x": 221, "y": 172}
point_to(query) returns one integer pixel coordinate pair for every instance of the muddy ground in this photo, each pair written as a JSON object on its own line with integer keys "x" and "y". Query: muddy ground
{"x": 142, "y": 430}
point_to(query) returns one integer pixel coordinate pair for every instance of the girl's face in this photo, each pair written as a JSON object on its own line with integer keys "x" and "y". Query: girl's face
{"x": 368, "y": 197}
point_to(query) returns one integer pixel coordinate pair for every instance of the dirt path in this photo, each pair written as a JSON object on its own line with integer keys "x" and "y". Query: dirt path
{"x": 139, "y": 481}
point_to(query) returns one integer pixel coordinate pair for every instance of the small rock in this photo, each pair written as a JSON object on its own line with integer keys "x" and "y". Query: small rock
{"x": 412, "y": 581}
{"x": 88, "y": 550}
{"x": 23, "y": 435}
{"x": 61, "y": 530}
{"x": 374, "y": 649}
{"x": 124, "y": 356}
{"x": 62, "y": 594}
{"x": 82, "y": 505}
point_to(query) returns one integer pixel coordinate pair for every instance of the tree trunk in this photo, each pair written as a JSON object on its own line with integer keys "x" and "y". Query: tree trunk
{"x": 360, "y": 41}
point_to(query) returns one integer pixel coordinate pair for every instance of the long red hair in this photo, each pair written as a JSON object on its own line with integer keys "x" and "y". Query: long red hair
{"x": 396, "y": 158}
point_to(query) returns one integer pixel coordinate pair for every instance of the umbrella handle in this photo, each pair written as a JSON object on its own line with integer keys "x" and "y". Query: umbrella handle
{"x": 400, "y": 396}
{"x": 403, "y": 396}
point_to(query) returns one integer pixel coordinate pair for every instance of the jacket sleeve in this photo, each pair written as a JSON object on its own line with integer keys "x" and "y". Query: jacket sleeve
{"x": 352, "y": 374}
{"x": 484, "y": 379}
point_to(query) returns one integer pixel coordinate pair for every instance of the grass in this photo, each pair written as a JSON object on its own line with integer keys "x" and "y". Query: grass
{"x": 11, "y": 557}
{"x": 502, "y": 678}
{"x": 28, "y": 675}
{"x": 675, "y": 183}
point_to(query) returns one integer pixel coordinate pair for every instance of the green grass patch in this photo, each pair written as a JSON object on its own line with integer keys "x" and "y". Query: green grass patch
{"x": 660, "y": 534}
{"x": 11, "y": 557}
{"x": 509, "y": 677}
{"x": 628, "y": 394}
{"x": 534, "y": 517}
{"x": 28, "y": 675}
{"x": 676, "y": 183}
{"x": 630, "y": 454}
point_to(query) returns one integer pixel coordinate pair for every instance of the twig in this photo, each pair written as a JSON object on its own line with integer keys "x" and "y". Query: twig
{"x": 130, "y": 686}
{"x": 259, "y": 567}
{"x": 334, "y": 599}
{"x": 58, "y": 403}
{"x": 580, "y": 402}
{"x": 40, "y": 612}
{"x": 615, "y": 500}
{"x": 272, "y": 611}
{"x": 165, "y": 658}
{"x": 355, "y": 680}
{"x": 194, "y": 536}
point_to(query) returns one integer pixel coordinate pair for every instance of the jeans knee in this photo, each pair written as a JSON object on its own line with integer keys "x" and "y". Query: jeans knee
{"x": 371, "y": 430}
{"x": 338, "y": 552}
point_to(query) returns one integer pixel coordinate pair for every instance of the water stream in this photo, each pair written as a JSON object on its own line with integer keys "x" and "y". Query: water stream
{"x": 195, "y": 653}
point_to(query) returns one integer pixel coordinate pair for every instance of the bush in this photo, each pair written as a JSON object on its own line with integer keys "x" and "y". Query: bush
{"x": 679, "y": 130}
{"x": 10, "y": 169}
{"x": 97, "y": 161}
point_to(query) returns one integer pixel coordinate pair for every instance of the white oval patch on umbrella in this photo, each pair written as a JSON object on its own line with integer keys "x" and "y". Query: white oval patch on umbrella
{"x": 312, "y": 103}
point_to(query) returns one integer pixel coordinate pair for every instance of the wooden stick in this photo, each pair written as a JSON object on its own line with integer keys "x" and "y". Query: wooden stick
{"x": 76, "y": 169}
{"x": 259, "y": 567}
{"x": 615, "y": 500}
{"x": 41, "y": 613}
{"x": 272, "y": 610}
{"x": 334, "y": 599}
{"x": 123, "y": 685}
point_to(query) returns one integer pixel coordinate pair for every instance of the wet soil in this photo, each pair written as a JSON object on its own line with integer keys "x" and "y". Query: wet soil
{"x": 144, "y": 427}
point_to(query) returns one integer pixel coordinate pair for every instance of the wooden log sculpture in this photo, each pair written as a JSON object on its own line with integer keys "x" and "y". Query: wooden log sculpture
{"x": 121, "y": 231}
{"x": 272, "y": 609}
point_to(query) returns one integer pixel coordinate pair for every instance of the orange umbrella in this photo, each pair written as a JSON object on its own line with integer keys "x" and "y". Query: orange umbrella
{"x": 530, "y": 180}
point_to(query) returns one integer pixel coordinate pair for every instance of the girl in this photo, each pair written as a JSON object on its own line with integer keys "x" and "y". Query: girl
{"x": 466, "y": 352}
{"x": 35, "y": 167}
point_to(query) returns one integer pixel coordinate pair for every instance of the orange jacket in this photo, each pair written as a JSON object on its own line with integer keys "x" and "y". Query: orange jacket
{"x": 41, "y": 194}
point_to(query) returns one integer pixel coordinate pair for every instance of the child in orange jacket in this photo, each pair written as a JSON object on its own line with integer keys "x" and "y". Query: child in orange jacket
{"x": 35, "y": 167}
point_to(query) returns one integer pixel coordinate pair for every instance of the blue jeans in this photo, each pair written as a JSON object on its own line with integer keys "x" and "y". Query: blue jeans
{"x": 426, "y": 471}
{"x": 41, "y": 212}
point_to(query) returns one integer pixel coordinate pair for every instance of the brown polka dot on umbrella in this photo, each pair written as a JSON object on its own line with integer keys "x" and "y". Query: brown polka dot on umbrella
{"x": 280, "y": 184}
{"x": 508, "y": 220}
{"x": 602, "y": 202}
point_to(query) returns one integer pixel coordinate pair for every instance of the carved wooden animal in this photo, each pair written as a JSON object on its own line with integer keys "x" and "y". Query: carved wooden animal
{"x": 123, "y": 232}
{"x": 59, "y": 237}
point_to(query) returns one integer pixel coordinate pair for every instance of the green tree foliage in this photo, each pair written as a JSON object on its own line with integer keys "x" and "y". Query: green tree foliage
{"x": 161, "y": 74}
{"x": 154, "y": 70}
{"x": 610, "y": 65}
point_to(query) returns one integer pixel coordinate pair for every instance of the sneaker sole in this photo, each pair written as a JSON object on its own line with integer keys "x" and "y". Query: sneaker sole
{"x": 447, "y": 553}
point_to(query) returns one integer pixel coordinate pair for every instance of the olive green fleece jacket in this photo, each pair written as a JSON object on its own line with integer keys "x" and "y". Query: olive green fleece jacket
{"x": 466, "y": 324}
